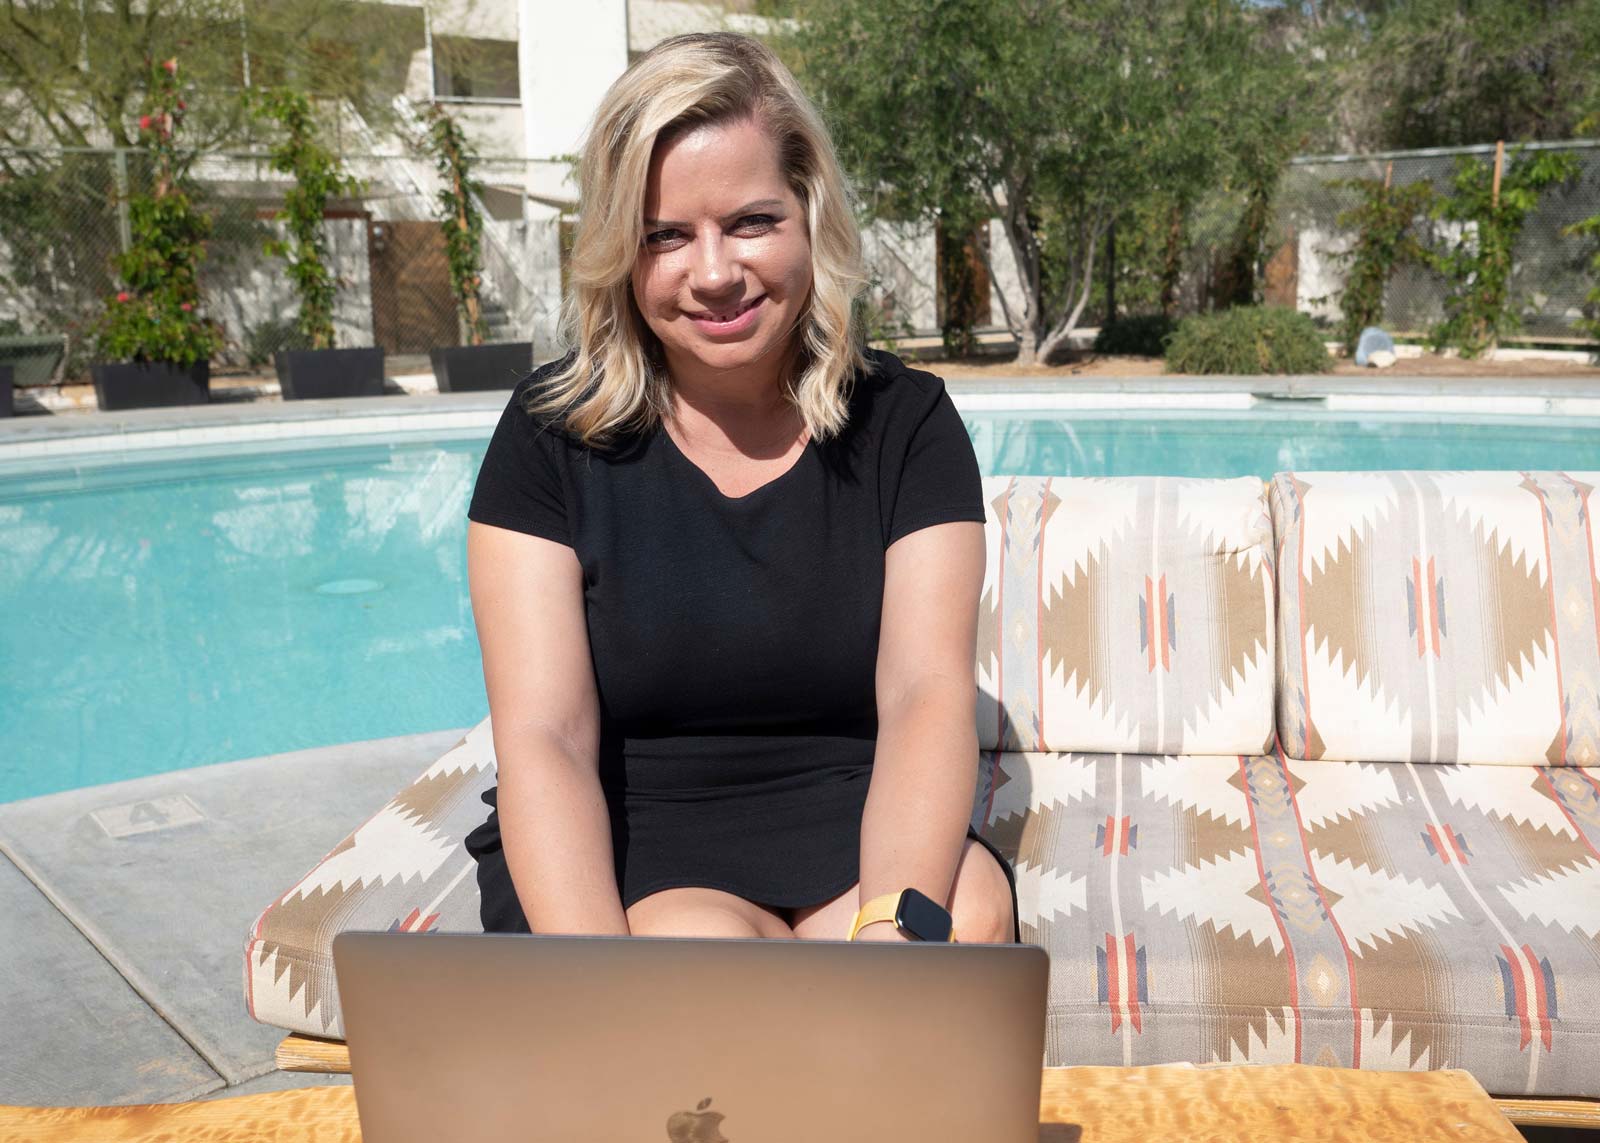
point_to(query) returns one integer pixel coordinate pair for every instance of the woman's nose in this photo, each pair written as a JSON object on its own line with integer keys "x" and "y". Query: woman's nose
{"x": 715, "y": 264}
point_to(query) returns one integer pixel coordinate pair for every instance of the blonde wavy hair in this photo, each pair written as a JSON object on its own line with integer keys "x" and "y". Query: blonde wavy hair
{"x": 616, "y": 381}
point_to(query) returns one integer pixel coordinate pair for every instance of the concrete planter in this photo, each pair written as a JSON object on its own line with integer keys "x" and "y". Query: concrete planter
{"x": 309, "y": 374}
{"x": 464, "y": 368}
{"x": 150, "y": 384}
{"x": 33, "y": 360}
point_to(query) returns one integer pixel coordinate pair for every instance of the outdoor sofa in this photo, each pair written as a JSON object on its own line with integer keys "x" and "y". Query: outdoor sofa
{"x": 1304, "y": 771}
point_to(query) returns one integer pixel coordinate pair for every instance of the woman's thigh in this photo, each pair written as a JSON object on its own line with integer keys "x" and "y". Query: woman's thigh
{"x": 979, "y": 904}
{"x": 696, "y": 911}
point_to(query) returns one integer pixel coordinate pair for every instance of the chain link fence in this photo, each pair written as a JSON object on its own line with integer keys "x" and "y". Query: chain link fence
{"x": 64, "y": 218}
{"x": 1550, "y": 276}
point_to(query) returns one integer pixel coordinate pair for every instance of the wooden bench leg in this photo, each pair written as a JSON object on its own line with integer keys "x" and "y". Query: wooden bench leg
{"x": 299, "y": 1053}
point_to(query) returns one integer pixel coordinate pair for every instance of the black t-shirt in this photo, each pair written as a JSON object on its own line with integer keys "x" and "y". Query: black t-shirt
{"x": 734, "y": 640}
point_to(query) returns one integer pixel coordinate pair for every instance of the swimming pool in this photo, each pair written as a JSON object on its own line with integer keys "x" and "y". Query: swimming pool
{"x": 227, "y": 601}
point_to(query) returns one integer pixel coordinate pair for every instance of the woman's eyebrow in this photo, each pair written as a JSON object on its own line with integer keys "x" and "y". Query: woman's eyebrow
{"x": 759, "y": 204}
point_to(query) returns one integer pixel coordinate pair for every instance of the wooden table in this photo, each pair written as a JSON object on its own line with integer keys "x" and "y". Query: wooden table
{"x": 1078, "y": 1105}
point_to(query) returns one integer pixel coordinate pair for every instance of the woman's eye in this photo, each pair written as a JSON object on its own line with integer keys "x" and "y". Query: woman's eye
{"x": 759, "y": 223}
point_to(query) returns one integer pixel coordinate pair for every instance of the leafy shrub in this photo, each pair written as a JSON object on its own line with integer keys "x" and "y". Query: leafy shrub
{"x": 156, "y": 317}
{"x": 270, "y": 335}
{"x": 1145, "y": 335}
{"x": 1248, "y": 339}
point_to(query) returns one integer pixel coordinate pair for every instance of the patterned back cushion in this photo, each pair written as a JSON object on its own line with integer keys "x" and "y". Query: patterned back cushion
{"x": 1438, "y": 616}
{"x": 404, "y": 870}
{"x": 1128, "y": 614}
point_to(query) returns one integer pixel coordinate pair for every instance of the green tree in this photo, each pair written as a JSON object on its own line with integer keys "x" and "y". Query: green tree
{"x": 1049, "y": 115}
{"x": 1439, "y": 73}
{"x": 318, "y": 176}
{"x": 73, "y": 73}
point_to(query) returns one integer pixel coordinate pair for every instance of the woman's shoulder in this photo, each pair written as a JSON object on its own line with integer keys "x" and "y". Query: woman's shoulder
{"x": 890, "y": 390}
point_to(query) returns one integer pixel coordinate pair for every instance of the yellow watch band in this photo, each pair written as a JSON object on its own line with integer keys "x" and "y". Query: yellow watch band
{"x": 879, "y": 909}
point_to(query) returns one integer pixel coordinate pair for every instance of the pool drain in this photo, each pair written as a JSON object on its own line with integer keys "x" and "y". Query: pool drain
{"x": 348, "y": 586}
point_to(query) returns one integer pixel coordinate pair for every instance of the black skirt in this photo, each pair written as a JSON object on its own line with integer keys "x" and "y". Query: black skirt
{"x": 501, "y": 912}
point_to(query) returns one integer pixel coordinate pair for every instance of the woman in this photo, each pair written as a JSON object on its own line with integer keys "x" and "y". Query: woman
{"x": 724, "y": 563}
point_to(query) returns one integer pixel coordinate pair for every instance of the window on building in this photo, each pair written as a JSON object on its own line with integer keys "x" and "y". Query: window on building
{"x": 466, "y": 68}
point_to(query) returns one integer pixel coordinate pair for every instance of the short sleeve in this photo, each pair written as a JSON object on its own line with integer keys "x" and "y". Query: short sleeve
{"x": 519, "y": 484}
{"x": 939, "y": 480}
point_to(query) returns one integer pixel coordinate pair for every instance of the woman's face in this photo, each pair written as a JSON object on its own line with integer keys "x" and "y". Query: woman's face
{"x": 724, "y": 267}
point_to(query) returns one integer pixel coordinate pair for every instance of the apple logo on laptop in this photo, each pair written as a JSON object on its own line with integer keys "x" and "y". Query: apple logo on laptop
{"x": 697, "y": 1126}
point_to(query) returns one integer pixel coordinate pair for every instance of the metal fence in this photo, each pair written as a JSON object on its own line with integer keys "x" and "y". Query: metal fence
{"x": 63, "y": 218}
{"x": 1550, "y": 274}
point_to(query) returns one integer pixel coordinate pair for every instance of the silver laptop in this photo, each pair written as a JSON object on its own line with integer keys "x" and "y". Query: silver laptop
{"x": 500, "y": 1037}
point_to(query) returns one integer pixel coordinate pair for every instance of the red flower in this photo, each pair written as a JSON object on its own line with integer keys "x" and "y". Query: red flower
{"x": 171, "y": 65}
{"x": 186, "y": 306}
{"x": 123, "y": 296}
{"x": 182, "y": 106}
{"x": 144, "y": 122}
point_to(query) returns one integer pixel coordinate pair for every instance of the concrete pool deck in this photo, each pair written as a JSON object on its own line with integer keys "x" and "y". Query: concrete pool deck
{"x": 127, "y": 907}
{"x": 128, "y": 904}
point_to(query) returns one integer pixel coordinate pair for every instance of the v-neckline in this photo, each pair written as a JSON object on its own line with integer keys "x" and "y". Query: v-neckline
{"x": 712, "y": 484}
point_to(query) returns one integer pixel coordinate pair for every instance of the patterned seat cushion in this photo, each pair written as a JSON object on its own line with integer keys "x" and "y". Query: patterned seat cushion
{"x": 1439, "y": 616}
{"x": 1385, "y": 916}
{"x": 1126, "y": 614}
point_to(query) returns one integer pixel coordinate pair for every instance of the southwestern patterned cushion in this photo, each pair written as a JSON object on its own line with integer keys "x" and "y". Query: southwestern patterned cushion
{"x": 1133, "y": 613}
{"x": 405, "y": 869}
{"x": 1220, "y": 903}
{"x": 1259, "y": 908}
{"x": 1439, "y": 616}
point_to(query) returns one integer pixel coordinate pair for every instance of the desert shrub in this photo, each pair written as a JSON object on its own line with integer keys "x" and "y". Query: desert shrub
{"x": 1248, "y": 339}
{"x": 1145, "y": 335}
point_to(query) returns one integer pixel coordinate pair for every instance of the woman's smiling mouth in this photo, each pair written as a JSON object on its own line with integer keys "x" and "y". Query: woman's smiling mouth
{"x": 726, "y": 321}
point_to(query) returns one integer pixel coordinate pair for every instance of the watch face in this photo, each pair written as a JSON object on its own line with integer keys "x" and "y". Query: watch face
{"x": 922, "y": 917}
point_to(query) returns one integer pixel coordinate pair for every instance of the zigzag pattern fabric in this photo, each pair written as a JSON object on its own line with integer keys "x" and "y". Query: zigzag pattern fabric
{"x": 1264, "y": 909}
{"x": 1439, "y": 616}
{"x": 405, "y": 869}
{"x": 1130, "y": 613}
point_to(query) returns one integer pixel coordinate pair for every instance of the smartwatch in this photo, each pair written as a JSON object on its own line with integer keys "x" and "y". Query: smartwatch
{"x": 915, "y": 914}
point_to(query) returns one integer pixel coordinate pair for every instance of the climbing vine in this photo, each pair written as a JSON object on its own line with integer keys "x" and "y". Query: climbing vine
{"x": 1385, "y": 223}
{"x": 459, "y": 217}
{"x": 317, "y": 177}
{"x": 1477, "y": 266}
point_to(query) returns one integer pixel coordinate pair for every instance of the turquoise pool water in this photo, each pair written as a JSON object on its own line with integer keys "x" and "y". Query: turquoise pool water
{"x": 176, "y": 612}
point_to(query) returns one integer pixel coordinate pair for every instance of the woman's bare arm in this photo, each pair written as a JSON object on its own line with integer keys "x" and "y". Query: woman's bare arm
{"x": 925, "y": 767}
{"x": 527, "y": 603}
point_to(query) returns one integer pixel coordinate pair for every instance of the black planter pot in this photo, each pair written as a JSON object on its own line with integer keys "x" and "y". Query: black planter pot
{"x": 150, "y": 384}
{"x": 307, "y": 374}
{"x": 7, "y": 405}
{"x": 463, "y": 368}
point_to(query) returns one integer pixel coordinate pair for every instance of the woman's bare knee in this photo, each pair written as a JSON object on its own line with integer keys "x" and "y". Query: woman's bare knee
{"x": 698, "y": 912}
